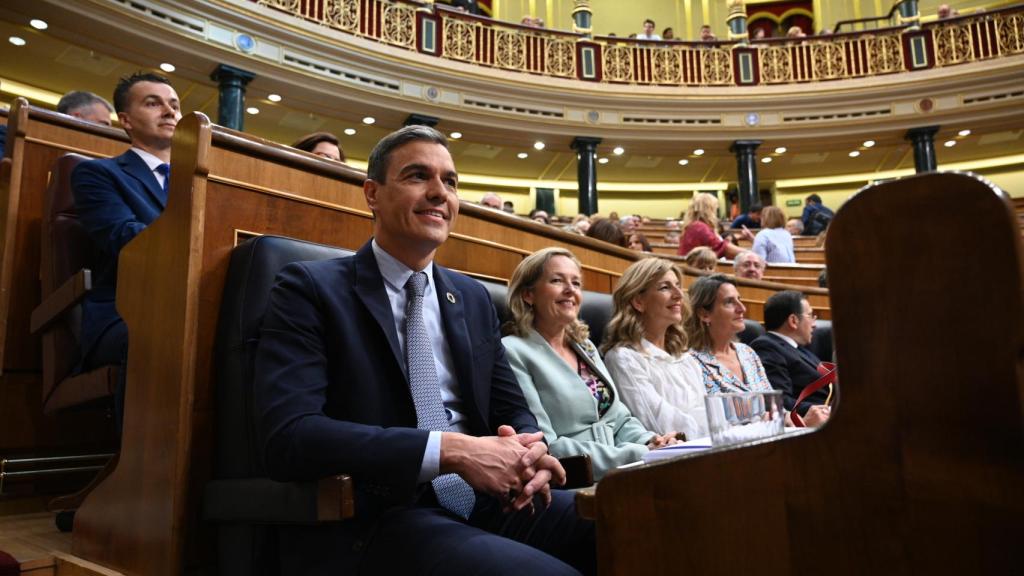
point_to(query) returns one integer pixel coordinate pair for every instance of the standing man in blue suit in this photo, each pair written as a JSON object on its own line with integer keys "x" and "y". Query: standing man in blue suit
{"x": 388, "y": 367}
{"x": 116, "y": 199}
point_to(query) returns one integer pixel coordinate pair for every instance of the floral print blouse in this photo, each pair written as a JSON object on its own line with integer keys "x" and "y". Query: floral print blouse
{"x": 720, "y": 380}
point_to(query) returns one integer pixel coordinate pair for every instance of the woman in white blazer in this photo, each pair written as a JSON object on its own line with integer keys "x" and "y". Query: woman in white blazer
{"x": 562, "y": 376}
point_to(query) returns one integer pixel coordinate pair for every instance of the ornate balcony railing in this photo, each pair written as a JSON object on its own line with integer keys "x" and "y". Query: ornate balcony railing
{"x": 435, "y": 30}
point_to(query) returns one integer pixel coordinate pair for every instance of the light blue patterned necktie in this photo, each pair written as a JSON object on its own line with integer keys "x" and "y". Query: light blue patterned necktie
{"x": 453, "y": 493}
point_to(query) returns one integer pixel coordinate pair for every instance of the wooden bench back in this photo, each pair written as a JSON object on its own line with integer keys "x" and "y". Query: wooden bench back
{"x": 36, "y": 138}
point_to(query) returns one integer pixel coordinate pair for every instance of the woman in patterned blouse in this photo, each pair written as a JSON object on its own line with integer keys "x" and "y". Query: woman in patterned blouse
{"x": 727, "y": 365}
{"x": 562, "y": 376}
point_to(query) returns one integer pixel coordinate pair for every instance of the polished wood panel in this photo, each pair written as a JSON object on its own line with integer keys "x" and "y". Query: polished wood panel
{"x": 919, "y": 470}
{"x": 37, "y": 138}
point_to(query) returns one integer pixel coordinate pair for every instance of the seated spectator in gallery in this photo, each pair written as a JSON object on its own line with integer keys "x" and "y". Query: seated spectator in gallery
{"x": 491, "y": 200}
{"x": 759, "y": 34}
{"x": 608, "y": 230}
{"x": 580, "y": 225}
{"x": 87, "y": 106}
{"x": 795, "y": 227}
{"x": 628, "y": 223}
{"x": 648, "y": 31}
{"x": 668, "y": 34}
{"x": 645, "y": 350}
{"x": 943, "y": 12}
{"x": 699, "y": 225}
{"x": 795, "y": 32}
{"x": 752, "y": 218}
{"x": 322, "y": 144}
{"x": 790, "y": 365}
{"x": 638, "y": 242}
{"x": 774, "y": 243}
{"x": 706, "y": 35}
{"x": 702, "y": 258}
{"x": 508, "y": 207}
{"x": 566, "y": 385}
{"x": 749, "y": 265}
{"x": 538, "y": 215}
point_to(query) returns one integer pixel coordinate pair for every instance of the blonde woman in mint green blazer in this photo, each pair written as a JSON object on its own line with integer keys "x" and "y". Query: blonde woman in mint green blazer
{"x": 562, "y": 376}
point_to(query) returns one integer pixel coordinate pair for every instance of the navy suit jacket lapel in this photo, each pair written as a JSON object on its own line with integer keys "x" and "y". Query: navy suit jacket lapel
{"x": 370, "y": 289}
{"x": 136, "y": 167}
{"x": 453, "y": 316}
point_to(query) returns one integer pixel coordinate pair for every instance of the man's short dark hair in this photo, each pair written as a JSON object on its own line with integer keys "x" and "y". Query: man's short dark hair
{"x": 78, "y": 99}
{"x": 814, "y": 198}
{"x": 308, "y": 142}
{"x": 756, "y": 207}
{"x": 780, "y": 305}
{"x": 377, "y": 166}
{"x": 124, "y": 85}
{"x": 649, "y": 20}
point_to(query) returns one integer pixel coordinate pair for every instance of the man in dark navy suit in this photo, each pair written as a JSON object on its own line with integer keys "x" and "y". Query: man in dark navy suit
{"x": 388, "y": 367}
{"x": 789, "y": 364}
{"x": 116, "y": 199}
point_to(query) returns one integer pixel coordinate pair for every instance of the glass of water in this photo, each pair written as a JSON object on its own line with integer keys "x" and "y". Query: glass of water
{"x": 744, "y": 416}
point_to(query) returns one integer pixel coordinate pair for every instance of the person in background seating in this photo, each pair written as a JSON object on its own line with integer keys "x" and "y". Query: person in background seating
{"x": 706, "y": 35}
{"x": 386, "y": 366}
{"x": 560, "y": 371}
{"x": 759, "y": 34}
{"x": 648, "y": 33}
{"x": 795, "y": 227}
{"x": 638, "y": 242}
{"x": 816, "y": 216}
{"x": 752, "y": 218}
{"x": 322, "y": 144}
{"x": 774, "y": 243}
{"x": 795, "y": 32}
{"x": 788, "y": 362}
{"x": 645, "y": 350}
{"x": 538, "y": 215}
{"x": 491, "y": 200}
{"x": 116, "y": 199}
{"x": 727, "y": 365}
{"x": 699, "y": 227}
{"x": 749, "y": 265}
{"x": 508, "y": 207}
{"x": 943, "y": 12}
{"x": 702, "y": 258}
{"x": 608, "y": 230}
{"x": 87, "y": 106}
{"x": 668, "y": 34}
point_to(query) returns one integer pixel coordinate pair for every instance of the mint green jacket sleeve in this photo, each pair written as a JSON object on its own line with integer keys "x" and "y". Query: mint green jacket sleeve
{"x": 566, "y": 411}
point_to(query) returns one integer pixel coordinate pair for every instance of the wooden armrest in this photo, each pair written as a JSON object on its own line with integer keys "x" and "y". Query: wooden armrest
{"x": 579, "y": 472}
{"x": 265, "y": 501}
{"x": 586, "y": 503}
{"x": 60, "y": 300}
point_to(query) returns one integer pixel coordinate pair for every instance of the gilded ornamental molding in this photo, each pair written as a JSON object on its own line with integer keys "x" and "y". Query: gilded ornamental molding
{"x": 507, "y": 46}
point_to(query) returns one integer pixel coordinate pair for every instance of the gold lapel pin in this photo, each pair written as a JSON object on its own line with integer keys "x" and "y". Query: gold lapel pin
{"x": 451, "y": 297}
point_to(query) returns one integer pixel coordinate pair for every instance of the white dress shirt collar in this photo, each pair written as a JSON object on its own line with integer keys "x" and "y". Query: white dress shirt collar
{"x": 785, "y": 338}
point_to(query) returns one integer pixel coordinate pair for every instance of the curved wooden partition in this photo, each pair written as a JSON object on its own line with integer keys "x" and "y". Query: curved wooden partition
{"x": 226, "y": 186}
{"x": 919, "y": 470}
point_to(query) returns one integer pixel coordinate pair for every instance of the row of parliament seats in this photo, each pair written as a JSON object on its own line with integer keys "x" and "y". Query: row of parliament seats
{"x": 851, "y": 478}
